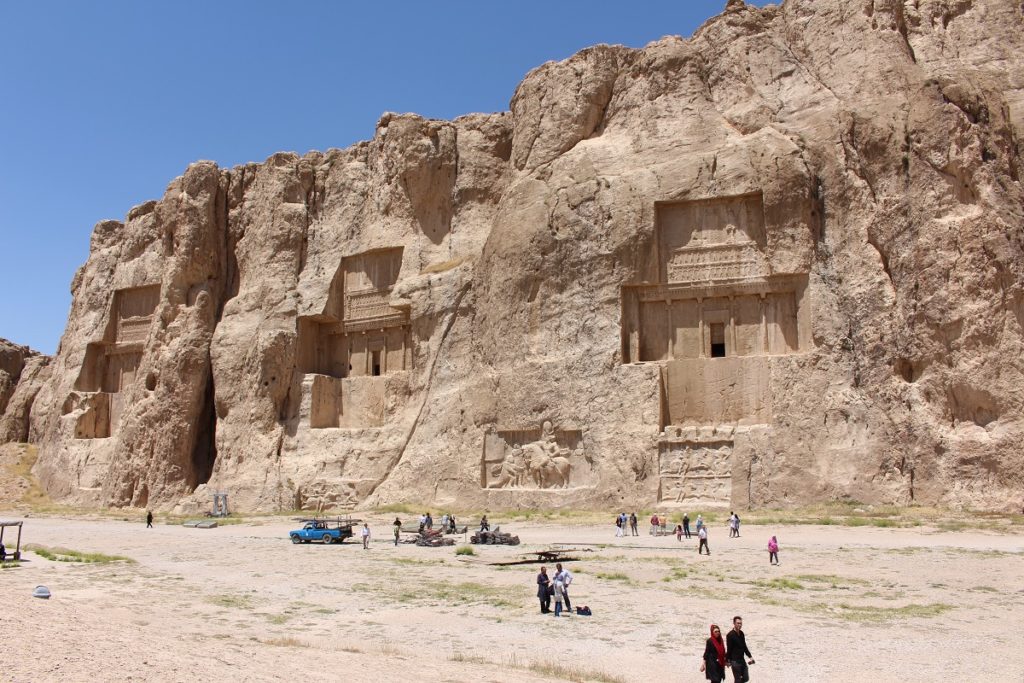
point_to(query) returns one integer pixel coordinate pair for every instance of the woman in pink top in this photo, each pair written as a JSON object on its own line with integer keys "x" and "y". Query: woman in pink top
{"x": 773, "y": 551}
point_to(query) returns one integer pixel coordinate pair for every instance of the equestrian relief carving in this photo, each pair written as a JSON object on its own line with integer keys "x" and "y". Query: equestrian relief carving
{"x": 534, "y": 459}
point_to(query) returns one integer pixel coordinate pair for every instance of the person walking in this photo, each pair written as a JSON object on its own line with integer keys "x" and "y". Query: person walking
{"x": 398, "y": 529}
{"x": 366, "y": 536}
{"x": 566, "y": 578}
{"x": 632, "y": 524}
{"x": 149, "y": 519}
{"x": 713, "y": 665}
{"x": 737, "y": 524}
{"x": 736, "y": 647}
{"x": 544, "y": 590}
{"x": 484, "y": 524}
{"x": 773, "y": 551}
{"x": 686, "y": 524}
{"x": 703, "y": 536}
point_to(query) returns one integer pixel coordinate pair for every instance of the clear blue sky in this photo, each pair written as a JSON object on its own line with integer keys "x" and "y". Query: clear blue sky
{"x": 103, "y": 103}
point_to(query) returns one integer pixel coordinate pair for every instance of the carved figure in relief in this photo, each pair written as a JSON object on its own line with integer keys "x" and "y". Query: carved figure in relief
{"x": 528, "y": 459}
{"x": 512, "y": 471}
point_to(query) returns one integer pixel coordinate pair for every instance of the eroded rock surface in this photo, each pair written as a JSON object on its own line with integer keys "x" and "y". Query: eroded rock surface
{"x": 776, "y": 263}
{"x": 22, "y": 373}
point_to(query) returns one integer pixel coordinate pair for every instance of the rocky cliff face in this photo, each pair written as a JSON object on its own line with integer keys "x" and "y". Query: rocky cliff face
{"x": 776, "y": 263}
{"x": 22, "y": 373}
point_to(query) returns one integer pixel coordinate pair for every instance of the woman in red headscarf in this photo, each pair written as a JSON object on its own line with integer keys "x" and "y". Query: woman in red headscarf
{"x": 714, "y": 656}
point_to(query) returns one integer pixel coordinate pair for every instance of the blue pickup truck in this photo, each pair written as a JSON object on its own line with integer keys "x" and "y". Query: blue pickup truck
{"x": 322, "y": 530}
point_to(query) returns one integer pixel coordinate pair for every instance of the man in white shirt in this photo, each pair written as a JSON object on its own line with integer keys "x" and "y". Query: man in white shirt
{"x": 565, "y": 577}
{"x": 366, "y": 536}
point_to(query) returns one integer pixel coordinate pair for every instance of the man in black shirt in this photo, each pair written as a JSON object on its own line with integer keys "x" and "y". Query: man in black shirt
{"x": 736, "y": 647}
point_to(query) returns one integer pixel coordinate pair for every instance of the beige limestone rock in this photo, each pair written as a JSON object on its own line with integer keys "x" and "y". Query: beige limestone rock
{"x": 12, "y": 362}
{"x": 22, "y": 373}
{"x": 776, "y": 263}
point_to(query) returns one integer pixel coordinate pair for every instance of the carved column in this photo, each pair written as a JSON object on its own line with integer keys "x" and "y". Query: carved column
{"x": 764, "y": 325}
{"x": 700, "y": 324}
{"x": 384, "y": 354}
{"x": 732, "y": 327}
{"x": 671, "y": 331}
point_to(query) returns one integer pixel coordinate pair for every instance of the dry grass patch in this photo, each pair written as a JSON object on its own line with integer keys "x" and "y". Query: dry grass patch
{"x": 464, "y": 593}
{"x": 285, "y": 641}
{"x": 230, "y": 601}
{"x": 20, "y": 468}
{"x": 574, "y": 673}
{"x": 68, "y": 555}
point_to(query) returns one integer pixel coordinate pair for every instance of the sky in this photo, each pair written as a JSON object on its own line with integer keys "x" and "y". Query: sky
{"x": 102, "y": 104}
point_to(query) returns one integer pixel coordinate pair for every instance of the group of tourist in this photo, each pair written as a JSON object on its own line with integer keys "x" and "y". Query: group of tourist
{"x": 732, "y": 653}
{"x": 622, "y": 522}
{"x": 447, "y": 522}
{"x": 555, "y": 589}
{"x": 682, "y": 530}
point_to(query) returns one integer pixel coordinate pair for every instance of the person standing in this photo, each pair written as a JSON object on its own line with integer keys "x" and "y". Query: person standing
{"x": 737, "y": 524}
{"x": 700, "y": 523}
{"x": 736, "y": 647}
{"x": 557, "y": 592}
{"x": 444, "y": 522}
{"x": 679, "y": 532}
{"x": 732, "y": 524}
{"x": 544, "y": 590}
{"x": 713, "y": 665}
{"x": 149, "y": 519}
{"x": 686, "y": 524}
{"x": 702, "y": 534}
{"x": 654, "y": 523}
{"x": 633, "y": 523}
{"x": 484, "y": 524}
{"x": 430, "y": 522}
{"x": 423, "y": 522}
{"x": 366, "y": 536}
{"x": 451, "y": 524}
{"x": 566, "y": 579}
{"x": 618, "y": 526}
{"x": 773, "y": 551}
{"x": 398, "y": 529}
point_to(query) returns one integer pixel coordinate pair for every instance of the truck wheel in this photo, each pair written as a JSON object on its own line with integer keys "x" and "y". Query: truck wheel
{"x": 327, "y": 539}
{"x": 296, "y": 540}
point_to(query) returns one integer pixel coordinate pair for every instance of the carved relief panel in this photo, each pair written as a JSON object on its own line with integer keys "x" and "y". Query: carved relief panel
{"x": 545, "y": 458}
{"x": 695, "y": 469}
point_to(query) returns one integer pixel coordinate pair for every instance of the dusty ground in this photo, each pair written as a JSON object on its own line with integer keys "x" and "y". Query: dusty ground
{"x": 241, "y": 603}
